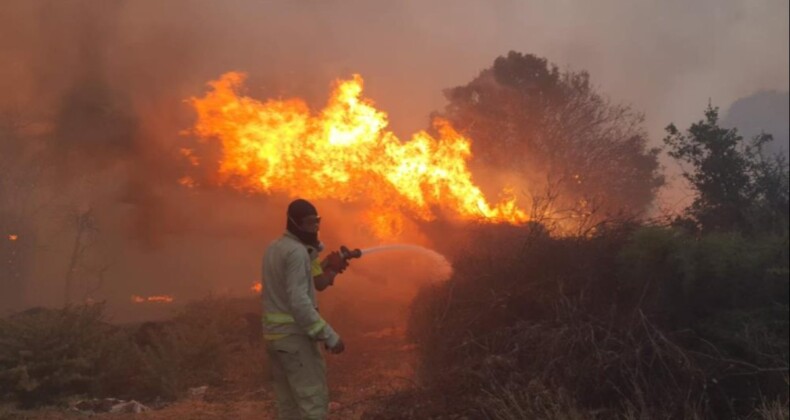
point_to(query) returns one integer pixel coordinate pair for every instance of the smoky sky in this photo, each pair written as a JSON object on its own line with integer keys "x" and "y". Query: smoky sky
{"x": 105, "y": 83}
{"x": 766, "y": 112}
{"x": 666, "y": 58}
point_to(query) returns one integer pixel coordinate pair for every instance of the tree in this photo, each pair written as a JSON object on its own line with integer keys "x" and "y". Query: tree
{"x": 737, "y": 187}
{"x": 583, "y": 156}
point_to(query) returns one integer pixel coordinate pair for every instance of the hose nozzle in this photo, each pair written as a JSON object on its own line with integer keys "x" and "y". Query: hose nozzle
{"x": 348, "y": 254}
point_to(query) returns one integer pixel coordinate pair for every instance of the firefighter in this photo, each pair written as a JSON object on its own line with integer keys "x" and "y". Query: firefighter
{"x": 293, "y": 328}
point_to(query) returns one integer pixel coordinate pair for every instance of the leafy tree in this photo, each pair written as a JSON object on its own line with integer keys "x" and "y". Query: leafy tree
{"x": 583, "y": 155}
{"x": 738, "y": 188}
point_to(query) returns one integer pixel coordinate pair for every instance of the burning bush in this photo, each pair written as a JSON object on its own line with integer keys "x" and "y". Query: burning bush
{"x": 581, "y": 157}
{"x": 635, "y": 320}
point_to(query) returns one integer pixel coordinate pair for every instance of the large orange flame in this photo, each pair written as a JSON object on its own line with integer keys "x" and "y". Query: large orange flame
{"x": 343, "y": 152}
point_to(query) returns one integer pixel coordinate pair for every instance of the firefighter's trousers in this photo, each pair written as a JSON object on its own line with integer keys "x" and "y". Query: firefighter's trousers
{"x": 299, "y": 377}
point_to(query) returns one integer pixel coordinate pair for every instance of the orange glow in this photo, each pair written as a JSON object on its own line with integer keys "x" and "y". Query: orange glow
{"x": 343, "y": 152}
{"x": 152, "y": 299}
{"x": 13, "y": 237}
{"x": 187, "y": 182}
{"x": 257, "y": 287}
{"x": 190, "y": 156}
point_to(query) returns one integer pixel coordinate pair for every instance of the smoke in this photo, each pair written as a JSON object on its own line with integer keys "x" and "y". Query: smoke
{"x": 765, "y": 112}
{"x": 101, "y": 89}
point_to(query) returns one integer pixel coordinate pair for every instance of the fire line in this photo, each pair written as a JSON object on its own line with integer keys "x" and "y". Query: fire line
{"x": 343, "y": 151}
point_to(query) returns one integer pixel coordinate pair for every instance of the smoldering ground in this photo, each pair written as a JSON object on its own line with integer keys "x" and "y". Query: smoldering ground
{"x": 94, "y": 103}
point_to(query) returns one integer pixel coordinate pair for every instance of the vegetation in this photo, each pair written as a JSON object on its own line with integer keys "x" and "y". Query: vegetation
{"x": 687, "y": 319}
{"x": 738, "y": 187}
{"x": 585, "y": 158}
{"x": 47, "y": 356}
{"x": 637, "y": 321}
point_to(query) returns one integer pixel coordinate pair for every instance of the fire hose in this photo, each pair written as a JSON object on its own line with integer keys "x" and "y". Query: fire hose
{"x": 338, "y": 260}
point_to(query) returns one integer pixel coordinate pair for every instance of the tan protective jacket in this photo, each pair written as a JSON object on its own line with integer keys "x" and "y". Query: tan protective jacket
{"x": 289, "y": 299}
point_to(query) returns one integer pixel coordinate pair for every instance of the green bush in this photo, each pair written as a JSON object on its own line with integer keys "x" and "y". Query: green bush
{"x": 47, "y": 355}
{"x": 197, "y": 347}
{"x": 647, "y": 322}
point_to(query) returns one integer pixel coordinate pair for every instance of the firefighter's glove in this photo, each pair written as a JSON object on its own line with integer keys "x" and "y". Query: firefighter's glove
{"x": 338, "y": 348}
{"x": 335, "y": 262}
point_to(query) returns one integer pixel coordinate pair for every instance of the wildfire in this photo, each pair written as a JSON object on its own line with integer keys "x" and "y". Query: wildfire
{"x": 152, "y": 299}
{"x": 256, "y": 287}
{"x": 13, "y": 237}
{"x": 343, "y": 152}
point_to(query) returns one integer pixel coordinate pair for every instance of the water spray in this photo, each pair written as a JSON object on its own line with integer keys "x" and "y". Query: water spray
{"x": 444, "y": 267}
{"x": 394, "y": 247}
{"x": 348, "y": 254}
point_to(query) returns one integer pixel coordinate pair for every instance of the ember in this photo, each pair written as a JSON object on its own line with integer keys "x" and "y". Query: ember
{"x": 152, "y": 299}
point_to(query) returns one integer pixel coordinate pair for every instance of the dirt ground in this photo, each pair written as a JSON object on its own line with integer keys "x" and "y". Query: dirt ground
{"x": 374, "y": 366}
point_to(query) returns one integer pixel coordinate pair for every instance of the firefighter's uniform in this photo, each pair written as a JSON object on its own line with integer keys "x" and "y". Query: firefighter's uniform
{"x": 293, "y": 329}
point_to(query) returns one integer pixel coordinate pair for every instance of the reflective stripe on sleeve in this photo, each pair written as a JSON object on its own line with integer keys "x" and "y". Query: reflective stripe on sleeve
{"x": 316, "y": 328}
{"x": 316, "y": 269}
{"x": 278, "y": 318}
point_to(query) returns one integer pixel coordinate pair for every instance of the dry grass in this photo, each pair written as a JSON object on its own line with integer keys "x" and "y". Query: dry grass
{"x": 374, "y": 366}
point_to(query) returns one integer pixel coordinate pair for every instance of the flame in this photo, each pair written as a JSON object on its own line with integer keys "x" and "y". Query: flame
{"x": 256, "y": 287}
{"x": 343, "y": 152}
{"x": 13, "y": 237}
{"x": 152, "y": 299}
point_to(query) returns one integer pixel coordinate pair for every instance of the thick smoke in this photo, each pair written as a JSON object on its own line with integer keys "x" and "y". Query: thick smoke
{"x": 763, "y": 112}
{"x": 94, "y": 95}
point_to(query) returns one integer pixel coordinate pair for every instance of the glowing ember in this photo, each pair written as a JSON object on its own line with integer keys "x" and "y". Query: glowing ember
{"x": 187, "y": 182}
{"x": 13, "y": 237}
{"x": 343, "y": 152}
{"x": 190, "y": 156}
{"x": 152, "y": 299}
{"x": 256, "y": 287}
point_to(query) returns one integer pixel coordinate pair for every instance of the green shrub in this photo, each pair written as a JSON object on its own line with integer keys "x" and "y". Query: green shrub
{"x": 47, "y": 354}
{"x": 196, "y": 347}
{"x": 647, "y": 322}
